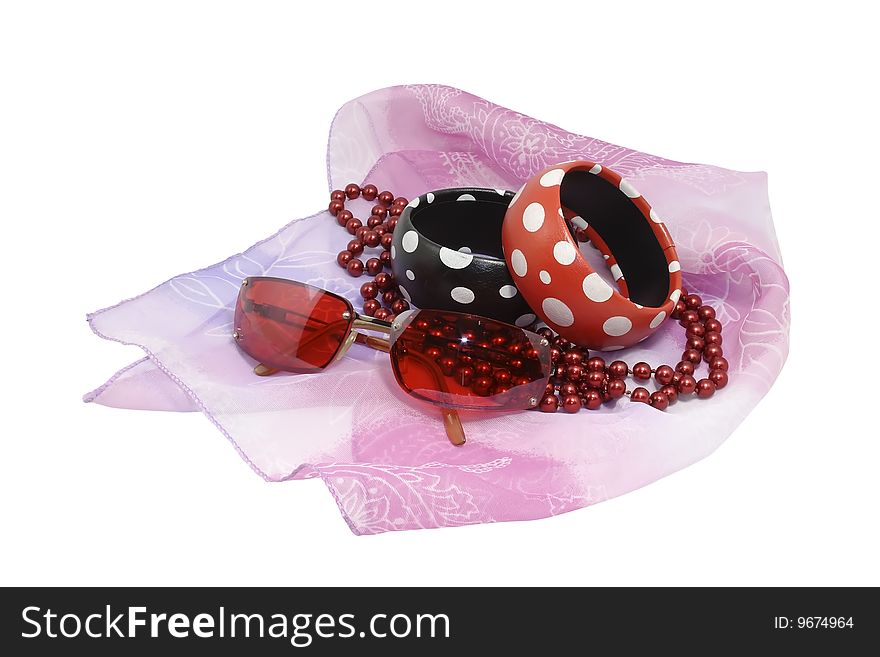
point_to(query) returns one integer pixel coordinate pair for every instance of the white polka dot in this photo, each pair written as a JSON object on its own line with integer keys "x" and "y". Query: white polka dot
{"x": 393, "y": 252}
{"x": 655, "y": 217}
{"x": 465, "y": 249}
{"x": 525, "y": 320}
{"x": 658, "y": 320}
{"x": 552, "y": 177}
{"x": 414, "y": 203}
{"x": 615, "y": 271}
{"x": 561, "y": 213}
{"x": 557, "y": 312}
{"x": 518, "y": 262}
{"x": 606, "y": 256}
{"x": 533, "y": 217}
{"x": 410, "y": 241}
{"x": 466, "y": 197}
{"x": 627, "y": 188}
{"x": 429, "y": 197}
{"x": 596, "y": 288}
{"x": 674, "y": 266}
{"x": 564, "y": 252}
{"x": 500, "y": 192}
{"x": 508, "y": 291}
{"x": 617, "y": 325}
{"x": 516, "y": 196}
{"x": 410, "y": 275}
{"x": 404, "y": 292}
{"x": 544, "y": 275}
{"x": 455, "y": 259}
{"x": 638, "y": 305}
{"x": 675, "y": 296}
{"x": 579, "y": 222}
{"x": 597, "y": 169}
{"x": 614, "y": 347}
{"x": 462, "y": 294}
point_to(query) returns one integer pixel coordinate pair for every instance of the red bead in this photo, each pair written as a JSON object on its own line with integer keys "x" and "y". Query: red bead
{"x": 483, "y": 368}
{"x": 574, "y": 357}
{"x": 560, "y": 371}
{"x": 373, "y": 221}
{"x": 352, "y": 191}
{"x": 684, "y": 291}
{"x": 549, "y": 403}
{"x": 360, "y": 232}
{"x": 545, "y": 332}
{"x": 695, "y": 330}
{"x": 685, "y": 367}
{"x": 687, "y": 384}
{"x": 596, "y": 364}
{"x": 502, "y": 377}
{"x": 374, "y": 266}
{"x": 571, "y": 404}
{"x": 693, "y": 301}
{"x": 385, "y": 241}
{"x": 705, "y": 388}
{"x": 355, "y": 247}
{"x": 695, "y": 343}
{"x": 337, "y": 195}
{"x": 555, "y": 353}
{"x": 642, "y": 371}
{"x": 712, "y": 325}
{"x": 676, "y": 378}
{"x": 400, "y": 202}
{"x": 664, "y": 375}
{"x": 713, "y": 337}
{"x": 370, "y": 192}
{"x": 392, "y": 224}
{"x": 385, "y": 198}
{"x": 399, "y": 306}
{"x": 592, "y": 399}
{"x": 482, "y": 385}
{"x": 335, "y": 207}
{"x": 616, "y": 388}
{"x": 343, "y": 216}
{"x": 567, "y": 389}
{"x": 659, "y": 400}
{"x": 447, "y": 365}
{"x": 464, "y": 374}
{"x": 384, "y": 280}
{"x": 371, "y": 238}
{"x": 688, "y": 317}
{"x": 390, "y": 296}
{"x": 371, "y": 306}
{"x": 574, "y": 372}
{"x": 640, "y": 395}
{"x": 719, "y": 363}
{"x": 692, "y": 355}
{"x": 671, "y": 392}
{"x": 385, "y": 257}
{"x": 679, "y": 309}
{"x": 395, "y": 212}
{"x": 712, "y": 351}
{"x": 379, "y": 211}
{"x": 381, "y": 229}
{"x": 355, "y": 267}
{"x": 352, "y": 225}
{"x": 706, "y": 312}
{"x": 618, "y": 370}
{"x": 719, "y": 378}
{"x": 343, "y": 257}
{"x": 369, "y": 290}
{"x": 382, "y": 313}
{"x": 595, "y": 378}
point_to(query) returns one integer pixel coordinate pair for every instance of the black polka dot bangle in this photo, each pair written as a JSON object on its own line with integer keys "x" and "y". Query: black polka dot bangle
{"x": 446, "y": 254}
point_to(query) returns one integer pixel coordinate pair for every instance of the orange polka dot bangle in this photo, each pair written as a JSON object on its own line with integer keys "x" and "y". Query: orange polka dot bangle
{"x": 559, "y": 283}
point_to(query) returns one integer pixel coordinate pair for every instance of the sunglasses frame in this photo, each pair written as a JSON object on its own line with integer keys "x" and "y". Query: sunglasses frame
{"x": 357, "y": 323}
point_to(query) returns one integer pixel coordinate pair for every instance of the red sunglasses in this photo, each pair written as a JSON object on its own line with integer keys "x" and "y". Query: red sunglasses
{"x": 452, "y": 360}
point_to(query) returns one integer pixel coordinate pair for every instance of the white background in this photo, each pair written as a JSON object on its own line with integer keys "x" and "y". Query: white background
{"x": 141, "y": 140}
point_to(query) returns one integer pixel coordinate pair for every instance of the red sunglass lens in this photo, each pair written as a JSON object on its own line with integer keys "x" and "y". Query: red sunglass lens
{"x": 289, "y": 325}
{"x": 465, "y": 361}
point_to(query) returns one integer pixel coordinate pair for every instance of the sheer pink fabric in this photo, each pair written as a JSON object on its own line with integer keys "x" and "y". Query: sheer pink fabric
{"x": 389, "y": 465}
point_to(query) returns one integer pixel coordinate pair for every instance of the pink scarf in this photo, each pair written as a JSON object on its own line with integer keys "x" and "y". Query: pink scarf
{"x": 385, "y": 459}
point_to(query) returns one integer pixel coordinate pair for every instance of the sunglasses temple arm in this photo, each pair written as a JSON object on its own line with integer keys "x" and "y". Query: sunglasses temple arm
{"x": 451, "y": 419}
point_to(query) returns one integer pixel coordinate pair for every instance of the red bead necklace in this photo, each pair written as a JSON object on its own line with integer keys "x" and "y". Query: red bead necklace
{"x": 579, "y": 381}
